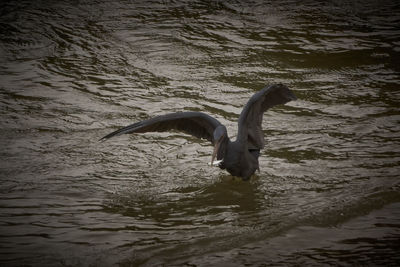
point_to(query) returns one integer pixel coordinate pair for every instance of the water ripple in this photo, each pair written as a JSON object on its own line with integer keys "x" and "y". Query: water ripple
{"x": 73, "y": 71}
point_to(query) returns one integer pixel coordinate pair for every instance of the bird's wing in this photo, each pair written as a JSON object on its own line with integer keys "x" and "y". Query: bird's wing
{"x": 197, "y": 124}
{"x": 250, "y": 120}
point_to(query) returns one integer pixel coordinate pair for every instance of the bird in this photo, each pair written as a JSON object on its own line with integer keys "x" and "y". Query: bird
{"x": 238, "y": 157}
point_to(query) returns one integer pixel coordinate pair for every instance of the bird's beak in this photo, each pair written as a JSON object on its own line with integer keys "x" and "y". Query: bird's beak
{"x": 215, "y": 152}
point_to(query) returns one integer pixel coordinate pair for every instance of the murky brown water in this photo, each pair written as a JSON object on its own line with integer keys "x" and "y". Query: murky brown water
{"x": 72, "y": 71}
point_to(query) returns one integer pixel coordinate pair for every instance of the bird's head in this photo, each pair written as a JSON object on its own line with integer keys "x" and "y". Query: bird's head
{"x": 220, "y": 136}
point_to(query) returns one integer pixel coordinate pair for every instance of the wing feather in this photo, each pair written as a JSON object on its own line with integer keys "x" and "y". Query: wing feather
{"x": 250, "y": 120}
{"x": 197, "y": 124}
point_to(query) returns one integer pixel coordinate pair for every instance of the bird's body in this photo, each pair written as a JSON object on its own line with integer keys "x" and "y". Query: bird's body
{"x": 238, "y": 160}
{"x": 239, "y": 157}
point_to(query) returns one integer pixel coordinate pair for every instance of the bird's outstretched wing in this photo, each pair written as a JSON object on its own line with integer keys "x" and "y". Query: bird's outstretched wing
{"x": 197, "y": 124}
{"x": 250, "y": 120}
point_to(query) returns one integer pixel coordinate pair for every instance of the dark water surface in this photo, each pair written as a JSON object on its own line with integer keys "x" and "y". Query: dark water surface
{"x": 72, "y": 71}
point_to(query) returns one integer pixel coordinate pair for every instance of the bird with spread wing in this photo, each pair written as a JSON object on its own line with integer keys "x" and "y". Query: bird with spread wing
{"x": 239, "y": 157}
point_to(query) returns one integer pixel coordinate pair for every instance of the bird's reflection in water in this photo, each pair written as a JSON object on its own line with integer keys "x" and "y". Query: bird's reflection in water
{"x": 222, "y": 200}
{"x": 190, "y": 218}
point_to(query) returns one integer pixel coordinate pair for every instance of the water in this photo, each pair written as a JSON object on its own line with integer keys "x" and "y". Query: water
{"x": 73, "y": 71}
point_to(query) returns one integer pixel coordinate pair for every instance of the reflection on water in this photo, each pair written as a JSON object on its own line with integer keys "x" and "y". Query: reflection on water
{"x": 72, "y": 71}
{"x": 360, "y": 241}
